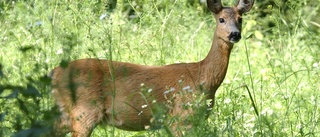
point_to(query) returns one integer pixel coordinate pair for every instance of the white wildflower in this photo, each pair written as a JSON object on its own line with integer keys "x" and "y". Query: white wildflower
{"x": 47, "y": 60}
{"x": 186, "y": 88}
{"x": 160, "y": 120}
{"x": 299, "y": 126}
{"x": 189, "y": 104}
{"x": 146, "y": 126}
{"x": 315, "y": 65}
{"x": 103, "y": 16}
{"x": 144, "y": 106}
{"x": 166, "y": 92}
{"x": 227, "y": 101}
{"x": 154, "y": 101}
{"x": 60, "y": 51}
{"x": 140, "y": 113}
{"x": 170, "y": 90}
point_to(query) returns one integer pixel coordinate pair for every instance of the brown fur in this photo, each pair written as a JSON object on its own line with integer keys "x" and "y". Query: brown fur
{"x": 92, "y": 91}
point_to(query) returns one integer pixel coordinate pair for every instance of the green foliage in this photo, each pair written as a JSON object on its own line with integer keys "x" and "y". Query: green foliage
{"x": 277, "y": 60}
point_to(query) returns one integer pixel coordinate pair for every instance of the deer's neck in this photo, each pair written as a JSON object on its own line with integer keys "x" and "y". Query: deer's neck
{"x": 214, "y": 66}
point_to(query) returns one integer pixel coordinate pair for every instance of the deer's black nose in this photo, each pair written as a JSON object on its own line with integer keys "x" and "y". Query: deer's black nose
{"x": 234, "y": 36}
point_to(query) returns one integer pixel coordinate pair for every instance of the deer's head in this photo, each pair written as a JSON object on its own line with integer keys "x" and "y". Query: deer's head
{"x": 229, "y": 20}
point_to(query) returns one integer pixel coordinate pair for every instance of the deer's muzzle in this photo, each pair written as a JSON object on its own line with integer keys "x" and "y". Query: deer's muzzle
{"x": 234, "y": 36}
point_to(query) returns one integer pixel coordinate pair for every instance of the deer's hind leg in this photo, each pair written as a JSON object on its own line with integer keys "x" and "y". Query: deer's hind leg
{"x": 62, "y": 125}
{"x": 84, "y": 119}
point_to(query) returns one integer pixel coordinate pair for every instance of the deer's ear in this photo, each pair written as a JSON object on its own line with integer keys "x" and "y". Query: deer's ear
{"x": 245, "y": 5}
{"x": 214, "y": 6}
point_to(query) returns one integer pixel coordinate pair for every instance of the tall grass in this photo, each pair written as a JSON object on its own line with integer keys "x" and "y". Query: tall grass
{"x": 277, "y": 60}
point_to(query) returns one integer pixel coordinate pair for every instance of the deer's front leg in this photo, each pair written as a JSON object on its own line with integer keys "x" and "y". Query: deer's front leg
{"x": 181, "y": 114}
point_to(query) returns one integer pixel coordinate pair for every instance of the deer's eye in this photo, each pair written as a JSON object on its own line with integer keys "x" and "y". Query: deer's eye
{"x": 221, "y": 20}
{"x": 240, "y": 20}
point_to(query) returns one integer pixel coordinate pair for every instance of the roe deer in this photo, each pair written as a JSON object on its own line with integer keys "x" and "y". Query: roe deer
{"x": 93, "y": 91}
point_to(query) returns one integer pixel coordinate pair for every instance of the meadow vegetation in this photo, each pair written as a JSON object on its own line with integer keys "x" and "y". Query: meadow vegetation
{"x": 271, "y": 88}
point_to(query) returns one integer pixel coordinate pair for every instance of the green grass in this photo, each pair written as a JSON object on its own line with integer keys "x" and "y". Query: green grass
{"x": 277, "y": 59}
